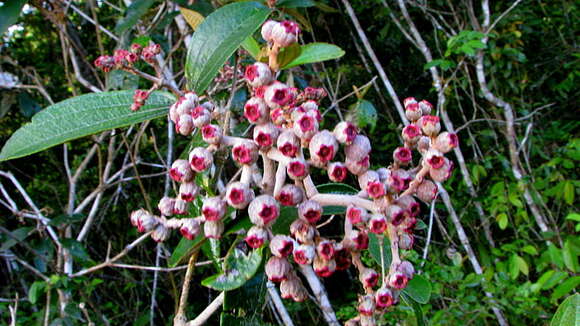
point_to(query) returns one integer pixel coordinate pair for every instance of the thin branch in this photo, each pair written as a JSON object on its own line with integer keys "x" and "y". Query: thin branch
{"x": 202, "y": 318}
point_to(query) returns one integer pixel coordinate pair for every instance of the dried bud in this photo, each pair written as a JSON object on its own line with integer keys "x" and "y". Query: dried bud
{"x": 188, "y": 191}
{"x": 304, "y": 254}
{"x": 366, "y": 305}
{"x": 323, "y": 147}
{"x": 256, "y": 111}
{"x": 290, "y": 195}
{"x": 310, "y": 211}
{"x": 213, "y": 208}
{"x": 166, "y": 206}
{"x": 357, "y": 215}
{"x": 281, "y": 246}
{"x": 323, "y": 268}
{"x": 406, "y": 241}
{"x": 211, "y": 134}
{"x": 184, "y": 125}
{"x": 200, "y": 116}
{"x": 278, "y": 95}
{"x": 245, "y": 153}
{"x": 265, "y": 135}
{"x": 411, "y": 133}
{"x": 398, "y": 280}
{"x": 396, "y": 214}
{"x": 412, "y": 111}
{"x": 407, "y": 269}
{"x": 213, "y": 229}
{"x": 337, "y": 171}
{"x": 443, "y": 173}
{"x": 288, "y": 143}
{"x": 303, "y": 231}
{"x": 267, "y": 30}
{"x": 384, "y": 298}
{"x": 285, "y": 33}
{"x": 377, "y": 223}
{"x": 180, "y": 207}
{"x": 402, "y": 155}
{"x": 345, "y": 132}
{"x": 181, "y": 171}
{"x": 277, "y": 269}
{"x": 358, "y": 149}
{"x": 277, "y": 116}
{"x": 425, "y": 107}
{"x": 325, "y": 249}
{"x": 258, "y": 74}
{"x": 297, "y": 169}
{"x": 358, "y": 167}
{"x": 160, "y": 234}
{"x": 430, "y": 125}
{"x": 369, "y": 278}
{"x": 263, "y": 210}
{"x": 426, "y": 191}
{"x": 360, "y": 239}
{"x": 239, "y": 195}
{"x": 256, "y": 237}
{"x": 306, "y": 126}
{"x": 190, "y": 228}
{"x": 200, "y": 159}
{"x": 105, "y": 62}
{"x": 445, "y": 142}
{"x": 316, "y": 94}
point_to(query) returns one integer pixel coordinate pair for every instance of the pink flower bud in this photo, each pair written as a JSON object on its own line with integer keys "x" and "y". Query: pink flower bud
{"x": 160, "y": 234}
{"x": 358, "y": 167}
{"x": 120, "y": 57}
{"x": 407, "y": 101}
{"x": 323, "y": 147}
{"x": 443, "y": 173}
{"x": 384, "y": 298}
{"x": 290, "y": 195}
{"x": 310, "y": 211}
{"x": 188, "y": 191}
{"x": 325, "y": 249}
{"x": 337, "y": 171}
{"x": 105, "y": 62}
{"x": 136, "y": 48}
{"x": 245, "y": 153}
{"x": 406, "y": 241}
{"x": 445, "y": 142}
{"x": 369, "y": 278}
{"x": 356, "y": 215}
{"x": 239, "y": 195}
{"x": 430, "y": 125}
{"x": 278, "y": 95}
{"x": 309, "y": 105}
{"x": 409, "y": 224}
{"x": 397, "y": 181}
{"x": 213, "y": 229}
{"x": 306, "y": 126}
{"x": 288, "y": 143}
{"x": 166, "y": 206}
{"x": 303, "y": 231}
{"x": 316, "y": 94}
{"x": 200, "y": 159}
{"x": 435, "y": 159}
{"x": 200, "y": 116}
{"x": 366, "y": 305}
{"x": 259, "y": 91}
{"x": 358, "y": 149}
{"x": 277, "y": 269}
{"x": 377, "y": 223}
{"x": 409, "y": 204}
{"x": 292, "y": 288}
{"x": 366, "y": 178}
{"x": 323, "y": 268}
{"x": 146, "y": 222}
{"x": 181, "y": 171}
{"x": 285, "y": 33}
{"x": 136, "y": 215}
{"x": 426, "y": 191}
{"x": 398, "y": 280}
{"x": 267, "y": 30}
{"x": 258, "y": 74}
{"x": 263, "y": 210}
{"x": 407, "y": 269}
{"x": 277, "y": 116}
{"x": 256, "y": 237}
{"x": 413, "y": 112}
{"x": 131, "y": 58}
{"x": 256, "y": 111}
{"x": 184, "y": 125}
{"x": 304, "y": 254}
{"x": 213, "y": 208}
{"x": 140, "y": 96}
{"x": 396, "y": 214}
{"x": 190, "y": 228}
{"x": 281, "y": 246}
{"x": 402, "y": 155}
{"x": 411, "y": 133}
{"x": 265, "y": 135}
{"x": 211, "y": 134}
{"x": 297, "y": 169}
{"x": 342, "y": 259}
{"x": 180, "y": 207}
{"x": 425, "y": 107}
{"x": 360, "y": 239}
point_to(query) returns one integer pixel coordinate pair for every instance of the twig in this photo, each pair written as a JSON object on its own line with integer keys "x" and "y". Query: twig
{"x": 277, "y": 301}
{"x": 320, "y": 294}
{"x": 208, "y": 311}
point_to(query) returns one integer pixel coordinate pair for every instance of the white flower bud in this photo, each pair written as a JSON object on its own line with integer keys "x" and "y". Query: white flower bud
{"x": 256, "y": 110}
{"x": 358, "y": 149}
{"x": 181, "y": 171}
{"x": 239, "y": 195}
{"x": 277, "y": 269}
{"x": 288, "y": 143}
{"x": 213, "y": 208}
{"x": 258, "y": 74}
{"x": 166, "y": 206}
{"x": 211, "y": 134}
{"x": 160, "y": 234}
{"x": 345, "y": 132}
{"x": 310, "y": 211}
{"x": 290, "y": 195}
{"x": 256, "y": 237}
{"x": 189, "y": 228}
{"x": 285, "y": 33}
{"x": 265, "y": 135}
{"x": 213, "y": 229}
{"x": 304, "y": 254}
{"x": 297, "y": 169}
{"x": 263, "y": 210}
{"x": 200, "y": 159}
{"x": 323, "y": 146}
{"x": 188, "y": 191}
{"x": 281, "y": 246}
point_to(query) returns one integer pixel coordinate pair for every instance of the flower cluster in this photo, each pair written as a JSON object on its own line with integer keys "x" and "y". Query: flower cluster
{"x": 288, "y": 140}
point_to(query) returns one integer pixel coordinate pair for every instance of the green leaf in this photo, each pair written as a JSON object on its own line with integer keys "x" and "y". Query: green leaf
{"x": 28, "y": 106}
{"x": 568, "y": 314}
{"x": 375, "y": 250}
{"x": 416, "y": 308}
{"x": 574, "y": 217}
{"x": 251, "y": 45}
{"x": 76, "y": 249}
{"x": 218, "y": 37}
{"x": 502, "y": 220}
{"x": 569, "y": 192}
{"x": 18, "y": 235}
{"x": 364, "y": 114}
{"x": 240, "y": 267}
{"x": 566, "y": 286}
{"x": 183, "y": 249}
{"x": 529, "y": 249}
{"x": 514, "y": 267}
{"x": 82, "y": 116}
{"x": 287, "y": 216}
{"x": 570, "y": 256}
{"x": 418, "y": 289}
{"x": 133, "y": 13}
{"x": 295, "y": 3}
{"x": 315, "y": 52}
{"x": 288, "y": 54}
{"x": 9, "y": 13}
{"x": 35, "y": 290}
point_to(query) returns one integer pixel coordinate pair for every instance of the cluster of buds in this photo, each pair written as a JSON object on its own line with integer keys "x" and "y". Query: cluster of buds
{"x": 226, "y": 74}
{"x": 125, "y": 59}
{"x": 289, "y": 142}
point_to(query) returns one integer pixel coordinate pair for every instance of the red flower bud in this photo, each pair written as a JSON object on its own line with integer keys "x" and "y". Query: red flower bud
{"x": 258, "y": 74}
{"x": 297, "y": 169}
{"x": 263, "y": 210}
{"x": 292, "y": 288}
{"x": 407, "y": 101}
{"x": 213, "y": 208}
{"x": 277, "y": 269}
{"x": 105, "y": 62}
{"x": 402, "y": 155}
{"x": 325, "y": 249}
{"x": 306, "y": 126}
{"x": 377, "y": 223}
{"x": 430, "y": 125}
{"x": 337, "y": 171}
{"x": 323, "y": 268}
{"x": 265, "y": 135}
{"x": 160, "y": 234}
{"x": 323, "y": 147}
{"x": 445, "y": 142}
{"x": 316, "y": 94}
{"x": 411, "y": 133}
{"x": 181, "y": 171}
{"x": 136, "y": 215}
{"x": 190, "y": 228}
{"x": 281, "y": 246}
{"x": 366, "y": 305}
{"x": 369, "y": 278}
{"x": 310, "y": 211}
{"x": 384, "y": 298}
{"x": 211, "y": 134}
{"x": 239, "y": 195}
{"x": 396, "y": 214}
{"x": 443, "y": 173}
{"x": 256, "y": 237}
{"x": 255, "y": 110}
{"x": 288, "y": 143}
{"x": 290, "y": 195}
{"x": 356, "y": 215}
{"x": 398, "y": 280}
{"x": 245, "y": 153}
{"x": 360, "y": 239}
{"x": 200, "y": 159}
{"x": 213, "y": 229}
{"x": 303, "y": 254}
{"x": 278, "y": 95}
{"x": 285, "y": 33}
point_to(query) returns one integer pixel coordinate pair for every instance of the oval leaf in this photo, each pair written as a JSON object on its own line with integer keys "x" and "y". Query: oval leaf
{"x": 568, "y": 314}
{"x": 240, "y": 268}
{"x": 315, "y": 52}
{"x": 418, "y": 289}
{"x": 218, "y": 37}
{"x": 82, "y": 116}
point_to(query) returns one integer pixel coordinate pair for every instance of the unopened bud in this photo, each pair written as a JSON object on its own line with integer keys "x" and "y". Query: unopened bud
{"x": 292, "y": 288}
{"x": 190, "y": 228}
{"x": 245, "y": 153}
{"x": 325, "y": 249}
{"x": 211, "y": 134}
{"x": 426, "y": 191}
{"x": 188, "y": 191}
{"x": 356, "y": 215}
{"x": 306, "y": 126}
{"x": 430, "y": 125}
{"x": 160, "y": 234}
{"x": 267, "y": 30}
{"x": 180, "y": 207}
{"x": 288, "y": 143}
{"x": 265, "y": 135}
{"x": 200, "y": 159}
{"x": 407, "y": 269}
{"x": 256, "y": 110}
{"x": 323, "y": 147}
{"x": 184, "y": 125}
{"x": 281, "y": 245}
{"x": 366, "y": 305}
{"x": 409, "y": 204}
{"x": 443, "y": 173}
{"x": 358, "y": 149}
{"x": 377, "y": 223}
{"x": 358, "y": 167}
{"x": 285, "y": 33}
{"x": 166, "y": 206}
{"x": 277, "y": 269}
{"x": 263, "y": 210}
{"x": 304, "y": 254}
{"x": 406, "y": 241}
{"x": 200, "y": 116}
{"x": 297, "y": 169}
{"x": 310, "y": 211}
{"x": 402, "y": 155}
{"x": 181, "y": 171}
{"x": 411, "y": 133}
{"x": 290, "y": 195}
{"x": 322, "y": 267}
{"x": 213, "y": 229}
{"x": 425, "y": 107}
{"x": 412, "y": 111}
{"x": 256, "y": 237}
{"x": 345, "y": 132}
{"x": 258, "y": 74}
{"x": 445, "y": 142}
{"x": 303, "y": 231}
{"x": 213, "y": 208}
{"x": 136, "y": 215}
{"x": 239, "y": 195}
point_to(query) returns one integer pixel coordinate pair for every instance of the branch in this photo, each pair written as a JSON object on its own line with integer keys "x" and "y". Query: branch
{"x": 208, "y": 311}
